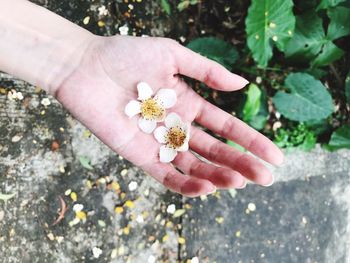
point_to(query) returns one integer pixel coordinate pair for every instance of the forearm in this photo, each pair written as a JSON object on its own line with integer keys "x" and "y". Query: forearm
{"x": 37, "y": 45}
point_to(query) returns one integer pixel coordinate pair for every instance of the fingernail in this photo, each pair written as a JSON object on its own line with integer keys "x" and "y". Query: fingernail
{"x": 243, "y": 185}
{"x": 240, "y": 81}
{"x": 213, "y": 190}
{"x": 280, "y": 159}
{"x": 273, "y": 180}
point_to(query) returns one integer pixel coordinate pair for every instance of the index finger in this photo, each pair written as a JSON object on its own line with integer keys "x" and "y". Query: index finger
{"x": 213, "y": 74}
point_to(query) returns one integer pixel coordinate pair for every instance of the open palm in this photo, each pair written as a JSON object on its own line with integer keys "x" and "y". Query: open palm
{"x": 105, "y": 81}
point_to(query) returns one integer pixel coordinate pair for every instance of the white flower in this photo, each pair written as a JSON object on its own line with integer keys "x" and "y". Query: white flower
{"x": 124, "y": 30}
{"x": 102, "y": 11}
{"x": 45, "y": 101}
{"x": 78, "y": 207}
{"x": 175, "y": 135}
{"x": 151, "y": 109}
{"x": 171, "y": 209}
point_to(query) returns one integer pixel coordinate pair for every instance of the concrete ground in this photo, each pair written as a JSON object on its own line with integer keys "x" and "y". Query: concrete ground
{"x": 70, "y": 199}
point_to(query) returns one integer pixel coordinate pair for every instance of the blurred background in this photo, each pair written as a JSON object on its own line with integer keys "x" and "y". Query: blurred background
{"x": 65, "y": 197}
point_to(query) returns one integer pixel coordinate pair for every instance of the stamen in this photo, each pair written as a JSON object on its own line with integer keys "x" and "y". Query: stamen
{"x": 176, "y": 137}
{"x": 152, "y": 110}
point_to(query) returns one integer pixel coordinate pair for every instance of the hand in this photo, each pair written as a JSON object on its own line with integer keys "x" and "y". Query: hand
{"x": 105, "y": 80}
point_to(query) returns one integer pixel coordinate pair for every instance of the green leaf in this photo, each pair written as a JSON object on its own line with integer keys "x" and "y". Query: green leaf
{"x": 340, "y": 22}
{"x": 179, "y": 213}
{"x": 328, "y": 54}
{"x": 232, "y": 192}
{"x": 259, "y": 120}
{"x": 309, "y": 142}
{"x": 252, "y": 104}
{"x": 308, "y": 38}
{"x": 318, "y": 73}
{"x": 269, "y": 23}
{"x": 166, "y": 6}
{"x": 347, "y": 88}
{"x": 308, "y": 99}
{"x": 329, "y": 3}
{"x": 235, "y": 145}
{"x": 85, "y": 162}
{"x": 215, "y": 49}
{"x": 5, "y": 197}
{"x": 310, "y": 43}
{"x": 183, "y": 5}
{"x": 255, "y": 111}
{"x": 340, "y": 138}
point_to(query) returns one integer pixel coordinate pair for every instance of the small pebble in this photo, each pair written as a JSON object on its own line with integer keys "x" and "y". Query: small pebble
{"x": 114, "y": 253}
{"x": 251, "y": 207}
{"x": 16, "y": 138}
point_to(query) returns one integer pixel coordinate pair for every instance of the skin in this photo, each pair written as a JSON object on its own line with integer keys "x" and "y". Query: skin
{"x": 95, "y": 77}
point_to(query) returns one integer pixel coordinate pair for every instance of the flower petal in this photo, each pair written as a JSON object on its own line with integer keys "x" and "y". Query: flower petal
{"x": 144, "y": 91}
{"x": 167, "y": 97}
{"x": 184, "y": 147}
{"x": 160, "y": 134}
{"x": 147, "y": 126}
{"x": 173, "y": 120}
{"x": 166, "y": 154}
{"x": 132, "y": 108}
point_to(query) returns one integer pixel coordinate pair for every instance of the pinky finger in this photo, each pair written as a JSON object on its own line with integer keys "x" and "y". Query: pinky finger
{"x": 177, "y": 182}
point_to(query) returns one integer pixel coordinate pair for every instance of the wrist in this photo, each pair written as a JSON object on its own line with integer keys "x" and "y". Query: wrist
{"x": 39, "y": 46}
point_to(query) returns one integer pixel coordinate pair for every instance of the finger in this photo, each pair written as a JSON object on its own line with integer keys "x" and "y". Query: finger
{"x": 221, "y": 177}
{"x": 213, "y": 74}
{"x": 219, "y": 152}
{"x": 177, "y": 182}
{"x": 232, "y": 128}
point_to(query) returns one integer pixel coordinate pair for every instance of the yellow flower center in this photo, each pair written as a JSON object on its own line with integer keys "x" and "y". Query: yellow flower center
{"x": 152, "y": 110}
{"x": 176, "y": 137}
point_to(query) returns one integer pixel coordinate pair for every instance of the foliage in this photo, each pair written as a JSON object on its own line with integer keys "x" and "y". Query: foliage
{"x": 305, "y": 94}
{"x": 329, "y": 3}
{"x": 215, "y": 49}
{"x": 340, "y": 138}
{"x": 312, "y": 44}
{"x": 347, "y": 88}
{"x": 5, "y": 197}
{"x": 166, "y": 6}
{"x": 255, "y": 110}
{"x": 308, "y": 99}
{"x": 235, "y": 145}
{"x": 300, "y": 136}
{"x": 185, "y": 4}
{"x": 269, "y": 23}
{"x": 85, "y": 162}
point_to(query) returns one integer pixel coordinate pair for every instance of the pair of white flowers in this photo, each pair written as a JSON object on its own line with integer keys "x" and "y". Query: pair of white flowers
{"x": 152, "y": 109}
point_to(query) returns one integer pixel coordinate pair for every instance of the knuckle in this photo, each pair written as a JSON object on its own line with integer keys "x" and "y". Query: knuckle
{"x": 195, "y": 166}
{"x": 214, "y": 151}
{"x": 228, "y": 127}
